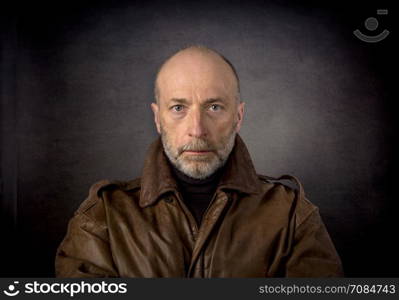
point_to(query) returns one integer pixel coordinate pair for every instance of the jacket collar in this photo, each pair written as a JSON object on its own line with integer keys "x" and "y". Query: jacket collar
{"x": 157, "y": 178}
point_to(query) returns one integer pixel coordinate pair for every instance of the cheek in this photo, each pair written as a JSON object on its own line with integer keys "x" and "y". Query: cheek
{"x": 172, "y": 134}
{"x": 224, "y": 126}
{"x": 175, "y": 128}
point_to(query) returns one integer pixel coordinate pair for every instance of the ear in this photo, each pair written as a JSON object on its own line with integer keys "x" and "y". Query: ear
{"x": 155, "y": 110}
{"x": 240, "y": 113}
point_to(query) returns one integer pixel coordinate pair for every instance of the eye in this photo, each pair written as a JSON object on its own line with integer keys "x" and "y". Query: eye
{"x": 215, "y": 107}
{"x": 177, "y": 108}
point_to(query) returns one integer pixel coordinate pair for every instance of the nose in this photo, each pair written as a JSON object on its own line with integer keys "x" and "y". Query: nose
{"x": 197, "y": 128}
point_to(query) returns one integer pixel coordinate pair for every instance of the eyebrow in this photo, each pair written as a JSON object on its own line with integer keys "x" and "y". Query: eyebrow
{"x": 179, "y": 100}
{"x": 207, "y": 101}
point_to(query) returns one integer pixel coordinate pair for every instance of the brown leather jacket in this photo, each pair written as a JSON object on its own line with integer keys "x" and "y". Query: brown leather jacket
{"x": 254, "y": 227}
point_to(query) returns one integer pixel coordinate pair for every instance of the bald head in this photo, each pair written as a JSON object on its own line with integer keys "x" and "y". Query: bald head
{"x": 197, "y": 65}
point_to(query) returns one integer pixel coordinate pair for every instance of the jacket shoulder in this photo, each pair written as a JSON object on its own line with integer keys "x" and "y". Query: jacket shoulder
{"x": 98, "y": 188}
{"x": 92, "y": 198}
{"x": 292, "y": 192}
{"x": 287, "y": 184}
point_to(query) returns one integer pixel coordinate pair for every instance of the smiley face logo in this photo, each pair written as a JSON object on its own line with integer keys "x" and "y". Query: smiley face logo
{"x": 371, "y": 24}
{"x": 12, "y": 291}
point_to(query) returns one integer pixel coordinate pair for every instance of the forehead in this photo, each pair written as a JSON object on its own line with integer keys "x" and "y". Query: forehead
{"x": 202, "y": 75}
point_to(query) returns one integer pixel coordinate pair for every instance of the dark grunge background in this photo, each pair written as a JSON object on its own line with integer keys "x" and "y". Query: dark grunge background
{"x": 76, "y": 84}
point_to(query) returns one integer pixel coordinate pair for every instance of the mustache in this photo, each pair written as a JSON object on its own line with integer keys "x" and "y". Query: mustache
{"x": 197, "y": 145}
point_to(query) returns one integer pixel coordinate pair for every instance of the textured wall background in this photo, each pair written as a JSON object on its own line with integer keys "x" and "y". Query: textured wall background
{"x": 77, "y": 83}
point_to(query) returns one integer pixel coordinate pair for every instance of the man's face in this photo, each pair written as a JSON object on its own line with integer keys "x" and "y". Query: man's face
{"x": 197, "y": 114}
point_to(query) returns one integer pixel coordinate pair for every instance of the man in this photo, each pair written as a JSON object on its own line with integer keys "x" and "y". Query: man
{"x": 199, "y": 209}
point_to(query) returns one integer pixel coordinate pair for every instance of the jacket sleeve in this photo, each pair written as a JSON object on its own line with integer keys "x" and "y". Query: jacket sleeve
{"x": 85, "y": 250}
{"x": 313, "y": 253}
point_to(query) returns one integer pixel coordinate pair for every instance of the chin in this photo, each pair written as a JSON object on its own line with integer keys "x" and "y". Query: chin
{"x": 199, "y": 170}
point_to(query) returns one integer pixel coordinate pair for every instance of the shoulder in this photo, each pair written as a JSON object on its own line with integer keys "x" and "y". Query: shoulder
{"x": 93, "y": 204}
{"x": 288, "y": 191}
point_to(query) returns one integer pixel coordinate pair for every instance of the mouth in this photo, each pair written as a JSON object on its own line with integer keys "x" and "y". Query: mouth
{"x": 201, "y": 152}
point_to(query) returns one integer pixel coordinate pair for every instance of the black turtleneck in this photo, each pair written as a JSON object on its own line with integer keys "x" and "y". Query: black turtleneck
{"x": 197, "y": 193}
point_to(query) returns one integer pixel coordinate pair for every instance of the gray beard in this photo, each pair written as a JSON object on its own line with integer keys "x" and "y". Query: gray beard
{"x": 197, "y": 167}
